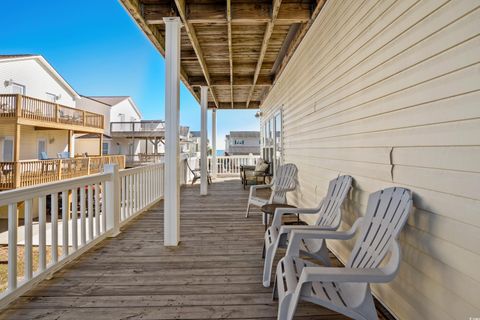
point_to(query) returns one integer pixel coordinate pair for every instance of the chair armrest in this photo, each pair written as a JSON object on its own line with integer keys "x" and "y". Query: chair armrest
{"x": 286, "y": 229}
{"x": 279, "y": 212}
{"x": 296, "y": 237}
{"x": 328, "y": 274}
{"x": 261, "y": 186}
{"x": 370, "y": 275}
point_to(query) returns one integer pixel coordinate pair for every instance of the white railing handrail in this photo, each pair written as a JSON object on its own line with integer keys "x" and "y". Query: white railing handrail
{"x": 39, "y": 190}
{"x": 126, "y": 172}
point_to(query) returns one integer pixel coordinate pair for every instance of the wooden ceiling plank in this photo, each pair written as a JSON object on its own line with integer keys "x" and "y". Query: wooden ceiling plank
{"x": 268, "y": 32}
{"x": 240, "y": 13}
{"x": 300, "y": 35}
{"x": 181, "y": 8}
{"x": 238, "y": 81}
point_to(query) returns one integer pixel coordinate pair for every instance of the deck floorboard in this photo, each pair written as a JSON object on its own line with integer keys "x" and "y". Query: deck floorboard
{"x": 215, "y": 273}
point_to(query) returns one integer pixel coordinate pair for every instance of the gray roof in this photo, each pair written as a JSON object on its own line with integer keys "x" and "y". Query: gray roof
{"x": 10, "y": 56}
{"x": 109, "y": 100}
{"x": 244, "y": 134}
{"x": 195, "y": 134}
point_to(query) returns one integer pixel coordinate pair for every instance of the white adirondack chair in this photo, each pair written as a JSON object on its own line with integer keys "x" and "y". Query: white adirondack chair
{"x": 328, "y": 218}
{"x": 285, "y": 180}
{"x": 347, "y": 290}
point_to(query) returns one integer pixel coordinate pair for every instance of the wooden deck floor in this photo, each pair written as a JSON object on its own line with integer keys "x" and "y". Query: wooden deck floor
{"x": 214, "y": 274}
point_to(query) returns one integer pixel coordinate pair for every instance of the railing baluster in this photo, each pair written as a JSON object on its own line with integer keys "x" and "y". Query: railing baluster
{"x": 64, "y": 224}
{"x": 123, "y": 201}
{"x": 83, "y": 223}
{"x": 54, "y": 220}
{"x": 42, "y": 233}
{"x": 97, "y": 210}
{"x": 103, "y": 212}
{"x": 12, "y": 246}
{"x": 74, "y": 219}
{"x": 90, "y": 212}
{"x": 27, "y": 262}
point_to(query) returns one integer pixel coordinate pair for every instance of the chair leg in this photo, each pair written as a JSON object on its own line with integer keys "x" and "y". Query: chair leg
{"x": 274, "y": 291}
{"x": 268, "y": 263}
{"x": 248, "y": 210}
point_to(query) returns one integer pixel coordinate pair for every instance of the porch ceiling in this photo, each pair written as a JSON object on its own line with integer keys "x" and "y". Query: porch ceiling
{"x": 236, "y": 47}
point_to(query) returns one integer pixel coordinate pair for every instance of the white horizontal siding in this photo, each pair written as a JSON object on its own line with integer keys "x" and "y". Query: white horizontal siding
{"x": 388, "y": 92}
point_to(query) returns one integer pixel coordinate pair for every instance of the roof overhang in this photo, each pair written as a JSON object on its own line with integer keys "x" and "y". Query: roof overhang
{"x": 238, "y": 48}
{"x": 48, "y": 67}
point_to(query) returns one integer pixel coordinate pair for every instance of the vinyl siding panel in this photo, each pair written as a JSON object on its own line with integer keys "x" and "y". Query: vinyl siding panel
{"x": 388, "y": 91}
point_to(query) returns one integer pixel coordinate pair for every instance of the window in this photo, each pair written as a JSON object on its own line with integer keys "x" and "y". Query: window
{"x": 239, "y": 142}
{"x": 18, "y": 88}
{"x": 272, "y": 150}
{"x": 8, "y": 149}
{"x": 105, "y": 148}
{"x": 51, "y": 97}
{"x": 41, "y": 147}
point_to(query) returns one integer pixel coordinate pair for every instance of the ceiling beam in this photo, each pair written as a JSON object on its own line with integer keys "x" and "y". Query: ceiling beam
{"x": 236, "y": 105}
{"x": 263, "y": 50}
{"x": 299, "y": 37}
{"x": 238, "y": 81}
{"x": 240, "y": 13}
{"x": 230, "y": 54}
{"x": 181, "y": 8}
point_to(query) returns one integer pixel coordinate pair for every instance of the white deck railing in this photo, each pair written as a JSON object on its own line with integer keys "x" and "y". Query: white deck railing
{"x": 91, "y": 208}
{"x": 230, "y": 165}
{"x": 140, "y": 188}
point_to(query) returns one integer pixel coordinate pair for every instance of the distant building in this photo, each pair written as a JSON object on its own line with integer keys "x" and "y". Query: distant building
{"x": 120, "y": 110}
{"x": 242, "y": 143}
{"x": 192, "y": 148}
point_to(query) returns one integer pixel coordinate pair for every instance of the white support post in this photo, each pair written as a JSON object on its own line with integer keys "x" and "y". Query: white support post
{"x": 112, "y": 199}
{"x": 171, "y": 214}
{"x": 203, "y": 141}
{"x": 214, "y": 143}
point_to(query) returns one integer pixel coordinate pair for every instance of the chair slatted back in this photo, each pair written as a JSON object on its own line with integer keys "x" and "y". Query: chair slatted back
{"x": 337, "y": 192}
{"x": 387, "y": 212}
{"x": 285, "y": 179}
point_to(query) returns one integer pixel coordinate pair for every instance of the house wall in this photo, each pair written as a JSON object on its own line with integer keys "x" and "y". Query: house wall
{"x": 36, "y": 78}
{"x": 388, "y": 91}
{"x": 57, "y": 141}
{"x": 124, "y": 107}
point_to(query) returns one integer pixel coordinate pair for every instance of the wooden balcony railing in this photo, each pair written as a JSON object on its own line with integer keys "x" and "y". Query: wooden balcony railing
{"x": 19, "y": 106}
{"x": 34, "y": 172}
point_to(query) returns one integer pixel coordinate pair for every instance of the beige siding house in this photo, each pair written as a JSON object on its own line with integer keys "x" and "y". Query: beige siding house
{"x": 388, "y": 92}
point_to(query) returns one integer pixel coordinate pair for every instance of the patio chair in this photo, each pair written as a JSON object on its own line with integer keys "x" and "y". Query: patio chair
{"x": 196, "y": 174}
{"x": 43, "y": 156}
{"x": 285, "y": 180}
{"x": 255, "y": 174}
{"x": 329, "y": 216}
{"x": 347, "y": 290}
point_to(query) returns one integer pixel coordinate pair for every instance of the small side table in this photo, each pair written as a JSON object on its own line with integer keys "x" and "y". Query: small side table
{"x": 269, "y": 209}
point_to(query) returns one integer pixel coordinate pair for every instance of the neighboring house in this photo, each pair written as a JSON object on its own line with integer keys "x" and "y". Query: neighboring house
{"x": 115, "y": 109}
{"x": 192, "y": 145}
{"x": 242, "y": 143}
{"x": 31, "y": 76}
{"x": 38, "y": 110}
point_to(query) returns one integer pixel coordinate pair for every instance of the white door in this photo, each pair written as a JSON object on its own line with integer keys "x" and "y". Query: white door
{"x": 41, "y": 147}
{"x": 8, "y": 149}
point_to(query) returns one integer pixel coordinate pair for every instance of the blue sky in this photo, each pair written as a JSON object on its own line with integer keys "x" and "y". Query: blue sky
{"x": 99, "y": 50}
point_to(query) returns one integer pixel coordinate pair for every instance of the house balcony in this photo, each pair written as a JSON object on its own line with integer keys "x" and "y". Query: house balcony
{"x": 215, "y": 272}
{"x": 34, "y": 172}
{"x": 145, "y": 129}
{"x": 25, "y": 110}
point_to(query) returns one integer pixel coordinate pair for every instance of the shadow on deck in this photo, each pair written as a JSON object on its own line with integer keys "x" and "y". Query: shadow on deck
{"x": 215, "y": 273}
